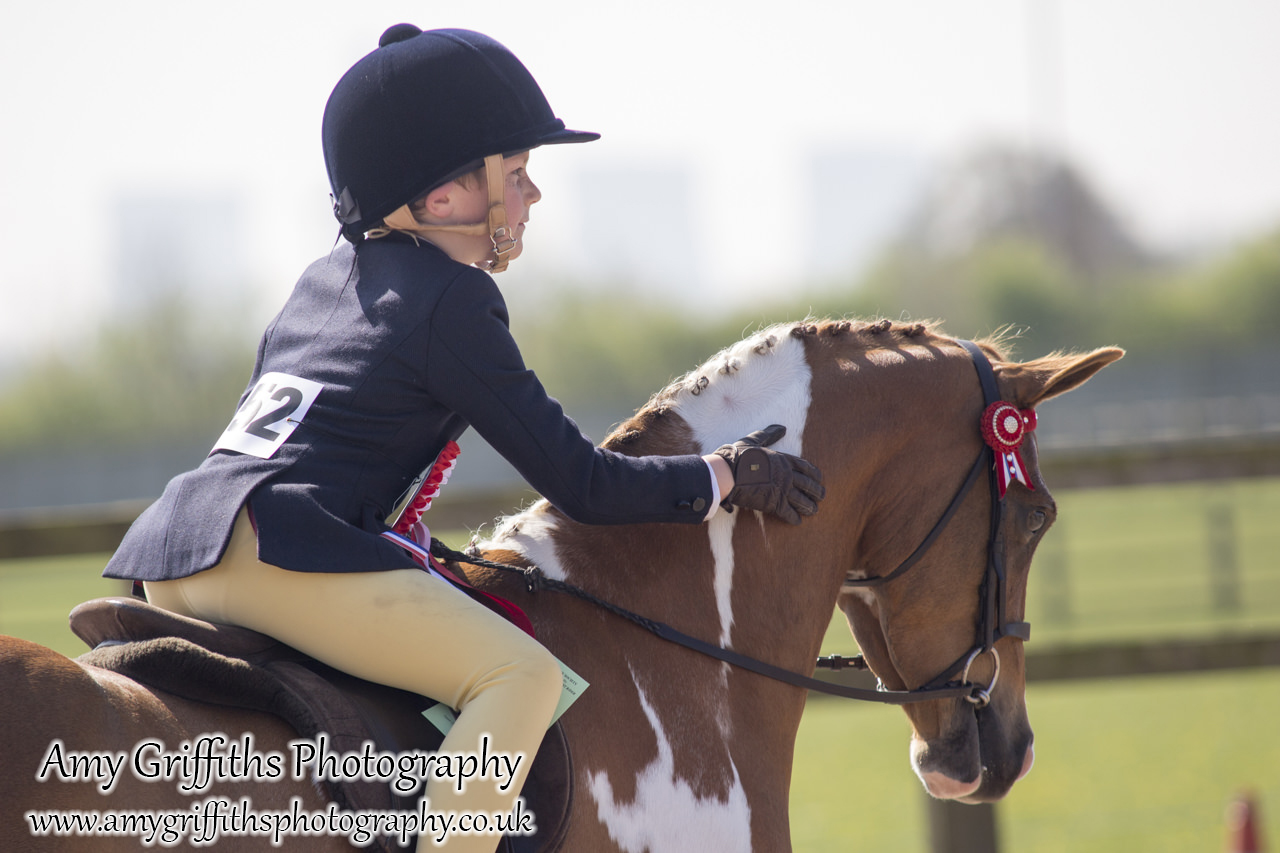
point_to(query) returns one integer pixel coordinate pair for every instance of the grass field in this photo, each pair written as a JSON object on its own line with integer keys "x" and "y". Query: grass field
{"x": 1141, "y": 764}
{"x": 1144, "y": 765}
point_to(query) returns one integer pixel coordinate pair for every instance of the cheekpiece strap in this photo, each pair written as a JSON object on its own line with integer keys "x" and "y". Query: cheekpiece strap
{"x": 1004, "y": 426}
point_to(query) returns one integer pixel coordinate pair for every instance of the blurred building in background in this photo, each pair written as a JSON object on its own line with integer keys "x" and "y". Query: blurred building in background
{"x": 855, "y": 200}
{"x": 637, "y": 225}
{"x": 168, "y": 244}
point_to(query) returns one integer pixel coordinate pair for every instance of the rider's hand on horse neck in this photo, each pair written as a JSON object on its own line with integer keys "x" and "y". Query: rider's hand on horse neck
{"x": 770, "y": 481}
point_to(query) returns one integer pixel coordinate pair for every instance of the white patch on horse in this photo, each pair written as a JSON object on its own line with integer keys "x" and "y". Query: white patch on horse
{"x": 865, "y": 595}
{"x": 720, "y": 532}
{"x": 666, "y": 814}
{"x": 863, "y": 592}
{"x": 529, "y": 533}
{"x": 759, "y": 381}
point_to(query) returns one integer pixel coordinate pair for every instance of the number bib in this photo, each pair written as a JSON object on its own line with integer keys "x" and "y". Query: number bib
{"x": 269, "y": 415}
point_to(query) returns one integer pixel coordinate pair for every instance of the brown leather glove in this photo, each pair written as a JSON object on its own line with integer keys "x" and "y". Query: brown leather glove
{"x": 770, "y": 481}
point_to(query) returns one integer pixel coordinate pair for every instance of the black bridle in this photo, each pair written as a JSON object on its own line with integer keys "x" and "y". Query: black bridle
{"x": 992, "y": 595}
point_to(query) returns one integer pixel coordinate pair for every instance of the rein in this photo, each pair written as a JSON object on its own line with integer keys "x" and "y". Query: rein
{"x": 535, "y": 580}
{"x": 992, "y": 598}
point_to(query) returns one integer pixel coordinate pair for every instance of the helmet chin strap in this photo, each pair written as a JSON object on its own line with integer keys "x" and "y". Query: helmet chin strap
{"x": 494, "y": 227}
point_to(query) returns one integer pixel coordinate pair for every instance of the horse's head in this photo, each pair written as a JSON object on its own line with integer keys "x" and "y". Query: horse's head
{"x": 935, "y": 601}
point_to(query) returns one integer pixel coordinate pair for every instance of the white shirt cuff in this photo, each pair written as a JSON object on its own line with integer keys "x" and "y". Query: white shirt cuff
{"x": 715, "y": 493}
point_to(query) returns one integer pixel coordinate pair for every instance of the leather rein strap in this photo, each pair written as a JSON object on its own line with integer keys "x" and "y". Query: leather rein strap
{"x": 991, "y": 598}
{"x": 536, "y": 580}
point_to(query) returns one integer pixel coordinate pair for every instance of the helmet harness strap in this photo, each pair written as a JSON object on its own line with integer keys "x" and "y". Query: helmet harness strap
{"x": 502, "y": 237}
{"x": 494, "y": 227}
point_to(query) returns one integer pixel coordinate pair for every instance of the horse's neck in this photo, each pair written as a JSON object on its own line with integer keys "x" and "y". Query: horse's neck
{"x": 723, "y": 581}
{"x": 662, "y": 727}
{"x": 738, "y": 581}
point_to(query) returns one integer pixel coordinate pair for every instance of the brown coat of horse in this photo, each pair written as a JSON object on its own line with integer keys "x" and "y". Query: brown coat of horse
{"x": 672, "y": 750}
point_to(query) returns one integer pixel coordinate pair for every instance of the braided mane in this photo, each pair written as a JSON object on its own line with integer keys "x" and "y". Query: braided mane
{"x": 650, "y": 431}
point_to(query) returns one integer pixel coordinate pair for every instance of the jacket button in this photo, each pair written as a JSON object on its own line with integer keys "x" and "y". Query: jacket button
{"x": 699, "y": 504}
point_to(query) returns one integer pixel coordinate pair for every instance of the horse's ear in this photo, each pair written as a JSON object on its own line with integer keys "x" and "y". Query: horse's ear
{"x": 1033, "y": 382}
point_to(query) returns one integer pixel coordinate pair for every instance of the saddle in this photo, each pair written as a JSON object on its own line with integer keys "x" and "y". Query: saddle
{"x": 240, "y": 668}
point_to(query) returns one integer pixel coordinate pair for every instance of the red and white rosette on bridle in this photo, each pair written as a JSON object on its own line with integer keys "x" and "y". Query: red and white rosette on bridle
{"x": 1004, "y": 426}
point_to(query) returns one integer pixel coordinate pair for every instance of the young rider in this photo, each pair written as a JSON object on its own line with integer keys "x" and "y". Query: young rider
{"x": 387, "y": 349}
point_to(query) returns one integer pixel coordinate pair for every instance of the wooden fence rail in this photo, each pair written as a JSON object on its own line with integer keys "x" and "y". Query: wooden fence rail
{"x": 99, "y": 528}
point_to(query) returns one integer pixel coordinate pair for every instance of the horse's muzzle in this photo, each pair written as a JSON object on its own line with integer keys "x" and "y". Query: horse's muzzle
{"x": 978, "y": 760}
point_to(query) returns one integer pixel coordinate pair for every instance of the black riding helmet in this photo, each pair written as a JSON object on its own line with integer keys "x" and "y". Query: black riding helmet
{"x": 423, "y": 109}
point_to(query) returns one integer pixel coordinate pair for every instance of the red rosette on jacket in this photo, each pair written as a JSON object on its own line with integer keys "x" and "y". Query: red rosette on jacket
{"x": 1004, "y": 426}
{"x": 437, "y": 477}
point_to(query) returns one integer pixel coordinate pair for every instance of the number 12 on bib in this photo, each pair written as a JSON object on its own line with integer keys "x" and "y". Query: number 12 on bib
{"x": 269, "y": 415}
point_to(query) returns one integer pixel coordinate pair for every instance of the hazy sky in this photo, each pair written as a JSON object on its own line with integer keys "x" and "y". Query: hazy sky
{"x": 1168, "y": 104}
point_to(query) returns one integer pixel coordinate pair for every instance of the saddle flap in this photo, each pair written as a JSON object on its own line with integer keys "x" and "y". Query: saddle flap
{"x": 126, "y": 620}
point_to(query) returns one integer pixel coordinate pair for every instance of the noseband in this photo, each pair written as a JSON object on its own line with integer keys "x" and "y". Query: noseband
{"x": 1003, "y": 428}
{"x": 992, "y": 594}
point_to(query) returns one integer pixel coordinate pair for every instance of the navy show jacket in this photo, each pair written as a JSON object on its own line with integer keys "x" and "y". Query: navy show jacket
{"x": 410, "y": 347}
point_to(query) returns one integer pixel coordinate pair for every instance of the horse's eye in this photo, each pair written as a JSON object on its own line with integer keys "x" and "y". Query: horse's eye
{"x": 1036, "y": 520}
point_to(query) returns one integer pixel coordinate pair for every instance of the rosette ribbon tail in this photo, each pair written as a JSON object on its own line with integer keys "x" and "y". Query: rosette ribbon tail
{"x": 1010, "y": 467}
{"x": 1004, "y": 427}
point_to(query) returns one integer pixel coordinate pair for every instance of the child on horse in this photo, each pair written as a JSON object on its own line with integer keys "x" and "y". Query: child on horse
{"x": 386, "y": 350}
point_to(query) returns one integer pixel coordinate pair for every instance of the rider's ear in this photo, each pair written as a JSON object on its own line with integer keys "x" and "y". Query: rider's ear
{"x": 439, "y": 204}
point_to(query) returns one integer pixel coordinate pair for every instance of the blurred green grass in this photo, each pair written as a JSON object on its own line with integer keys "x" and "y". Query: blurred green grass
{"x": 37, "y": 594}
{"x": 1145, "y": 763}
{"x": 1141, "y": 764}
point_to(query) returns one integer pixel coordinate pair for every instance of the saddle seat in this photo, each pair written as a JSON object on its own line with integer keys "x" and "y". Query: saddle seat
{"x": 237, "y": 667}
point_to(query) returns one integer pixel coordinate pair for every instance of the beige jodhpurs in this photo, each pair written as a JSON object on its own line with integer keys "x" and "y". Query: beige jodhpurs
{"x": 402, "y": 628}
